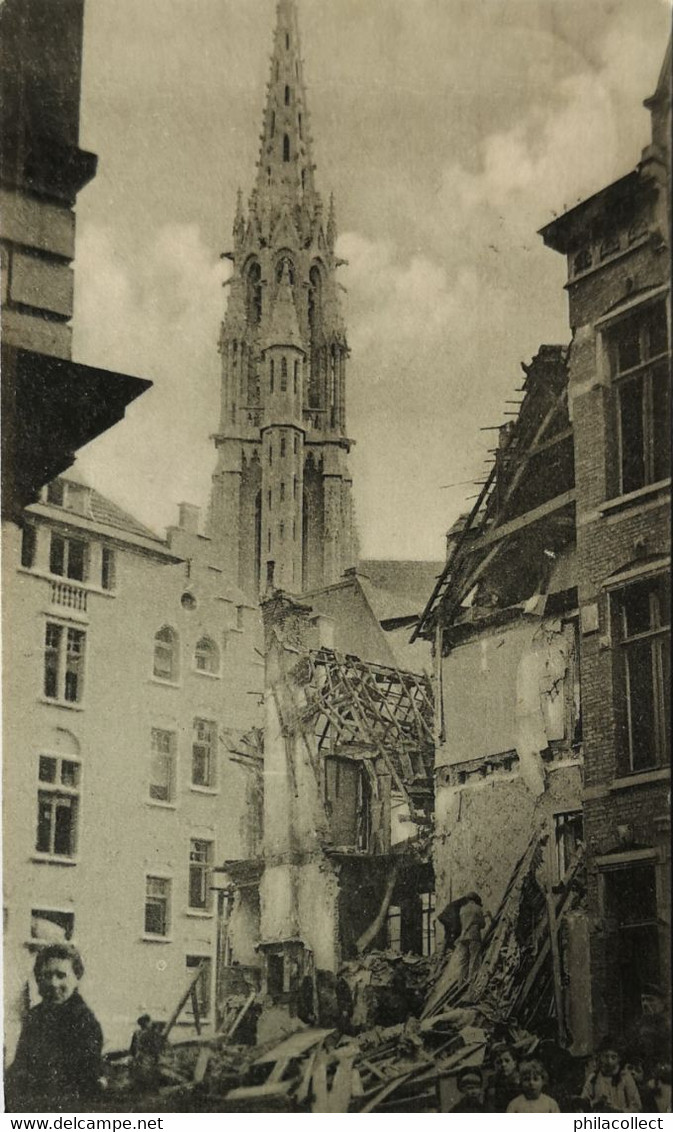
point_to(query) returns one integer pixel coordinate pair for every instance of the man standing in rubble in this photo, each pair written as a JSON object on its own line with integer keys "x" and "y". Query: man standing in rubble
{"x": 463, "y": 922}
{"x": 472, "y": 923}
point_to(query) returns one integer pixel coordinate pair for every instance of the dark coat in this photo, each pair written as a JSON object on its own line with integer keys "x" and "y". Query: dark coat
{"x": 58, "y": 1057}
{"x": 468, "y": 1104}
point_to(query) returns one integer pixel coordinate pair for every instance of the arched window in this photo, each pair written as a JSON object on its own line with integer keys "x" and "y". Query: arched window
{"x": 258, "y": 536}
{"x": 254, "y": 292}
{"x": 299, "y": 124}
{"x": 286, "y": 148}
{"x": 283, "y": 375}
{"x": 314, "y": 299}
{"x": 287, "y": 96}
{"x": 207, "y": 656}
{"x": 303, "y": 178}
{"x": 314, "y": 322}
{"x": 287, "y": 41}
{"x": 296, "y": 374}
{"x": 282, "y": 444}
{"x": 271, "y": 375}
{"x": 166, "y": 654}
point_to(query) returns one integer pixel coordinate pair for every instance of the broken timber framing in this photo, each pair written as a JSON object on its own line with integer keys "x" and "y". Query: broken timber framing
{"x": 364, "y": 710}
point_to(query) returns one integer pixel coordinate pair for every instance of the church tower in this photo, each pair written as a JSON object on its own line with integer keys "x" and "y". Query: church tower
{"x": 281, "y": 490}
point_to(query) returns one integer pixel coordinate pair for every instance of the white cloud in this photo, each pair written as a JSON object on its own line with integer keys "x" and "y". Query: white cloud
{"x": 154, "y": 312}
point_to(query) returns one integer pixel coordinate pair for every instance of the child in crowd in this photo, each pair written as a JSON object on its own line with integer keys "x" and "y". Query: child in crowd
{"x": 470, "y": 1083}
{"x": 505, "y": 1085}
{"x": 531, "y": 1098}
{"x": 646, "y": 1091}
{"x": 661, "y": 1088}
{"x": 611, "y": 1088}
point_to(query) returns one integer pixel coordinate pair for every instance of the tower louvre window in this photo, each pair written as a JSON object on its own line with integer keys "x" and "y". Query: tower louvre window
{"x": 299, "y": 125}
{"x": 283, "y": 377}
{"x": 296, "y": 375}
{"x": 254, "y": 292}
{"x": 282, "y": 445}
{"x": 271, "y": 369}
{"x": 287, "y": 41}
{"x": 287, "y": 96}
{"x": 273, "y": 122}
{"x": 286, "y": 147}
{"x": 282, "y": 490}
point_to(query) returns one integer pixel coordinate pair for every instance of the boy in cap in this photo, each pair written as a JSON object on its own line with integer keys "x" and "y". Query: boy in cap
{"x": 470, "y": 1083}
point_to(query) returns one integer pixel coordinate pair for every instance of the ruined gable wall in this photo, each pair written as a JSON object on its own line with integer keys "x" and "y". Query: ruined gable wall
{"x": 507, "y": 696}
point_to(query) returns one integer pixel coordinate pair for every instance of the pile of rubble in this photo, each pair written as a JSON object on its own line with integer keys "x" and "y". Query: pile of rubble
{"x": 393, "y": 1069}
{"x": 408, "y": 1029}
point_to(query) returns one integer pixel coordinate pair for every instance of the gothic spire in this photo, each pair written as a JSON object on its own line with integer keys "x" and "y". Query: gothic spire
{"x": 285, "y": 167}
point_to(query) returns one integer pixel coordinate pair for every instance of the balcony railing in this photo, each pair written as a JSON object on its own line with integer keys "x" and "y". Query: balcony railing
{"x": 72, "y": 597}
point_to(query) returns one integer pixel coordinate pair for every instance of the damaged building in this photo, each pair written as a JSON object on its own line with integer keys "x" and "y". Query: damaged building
{"x": 617, "y": 246}
{"x": 551, "y": 624}
{"x": 345, "y": 864}
{"x": 504, "y": 618}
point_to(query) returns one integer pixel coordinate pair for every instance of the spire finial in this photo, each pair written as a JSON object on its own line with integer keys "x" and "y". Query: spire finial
{"x": 285, "y": 168}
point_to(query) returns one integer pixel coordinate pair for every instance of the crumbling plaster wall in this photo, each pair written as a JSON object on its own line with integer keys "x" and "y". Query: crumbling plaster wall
{"x": 483, "y": 830}
{"x": 243, "y": 928}
{"x": 503, "y": 692}
{"x": 298, "y": 889}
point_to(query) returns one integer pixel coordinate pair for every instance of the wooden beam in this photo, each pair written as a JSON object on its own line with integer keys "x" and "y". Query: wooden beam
{"x": 521, "y": 522}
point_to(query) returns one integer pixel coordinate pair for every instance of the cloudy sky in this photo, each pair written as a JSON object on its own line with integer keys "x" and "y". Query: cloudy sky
{"x": 449, "y": 131}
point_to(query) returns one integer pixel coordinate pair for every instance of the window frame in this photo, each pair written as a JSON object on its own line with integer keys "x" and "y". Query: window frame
{"x": 28, "y": 549}
{"x": 60, "y": 661}
{"x": 393, "y": 928}
{"x": 428, "y": 923}
{"x": 54, "y": 792}
{"x": 565, "y": 820}
{"x": 170, "y": 757}
{"x": 201, "y": 862}
{"x": 212, "y": 650}
{"x": 625, "y": 644}
{"x": 211, "y": 747}
{"x": 649, "y": 369}
{"x": 172, "y": 647}
{"x": 108, "y": 569}
{"x": 63, "y": 918}
{"x": 166, "y": 897}
{"x": 69, "y": 543}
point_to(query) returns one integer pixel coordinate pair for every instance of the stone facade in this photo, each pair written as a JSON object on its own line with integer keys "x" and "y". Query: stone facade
{"x": 281, "y": 484}
{"x": 132, "y": 680}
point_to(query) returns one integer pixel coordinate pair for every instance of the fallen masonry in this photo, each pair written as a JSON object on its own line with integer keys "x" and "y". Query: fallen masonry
{"x": 411, "y": 1065}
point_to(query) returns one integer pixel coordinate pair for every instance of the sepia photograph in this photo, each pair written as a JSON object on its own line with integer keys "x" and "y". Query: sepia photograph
{"x": 336, "y": 558}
